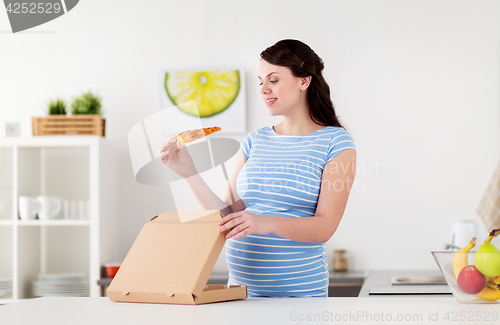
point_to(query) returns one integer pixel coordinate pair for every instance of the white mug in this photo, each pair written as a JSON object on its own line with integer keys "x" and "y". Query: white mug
{"x": 28, "y": 207}
{"x": 462, "y": 232}
{"x": 49, "y": 207}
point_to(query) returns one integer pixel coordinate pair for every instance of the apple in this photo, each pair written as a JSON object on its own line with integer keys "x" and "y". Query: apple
{"x": 470, "y": 280}
{"x": 487, "y": 260}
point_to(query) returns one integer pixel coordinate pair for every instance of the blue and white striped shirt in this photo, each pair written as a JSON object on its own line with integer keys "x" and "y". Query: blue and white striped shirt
{"x": 282, "y": 177}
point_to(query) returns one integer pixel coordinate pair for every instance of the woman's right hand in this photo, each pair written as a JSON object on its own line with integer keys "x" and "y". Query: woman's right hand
{"x": 175, "y": 156}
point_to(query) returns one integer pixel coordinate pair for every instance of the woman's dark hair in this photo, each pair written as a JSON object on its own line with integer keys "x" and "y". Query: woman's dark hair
{"x": 304, "y": 62}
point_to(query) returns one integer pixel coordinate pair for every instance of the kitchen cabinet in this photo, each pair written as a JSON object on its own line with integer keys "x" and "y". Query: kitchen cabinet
{"x": 74, "y": 168}
{"x": 346, "y": 284}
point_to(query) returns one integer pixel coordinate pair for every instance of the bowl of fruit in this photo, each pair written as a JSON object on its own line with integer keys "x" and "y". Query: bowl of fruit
{"x": 473, "y": 276}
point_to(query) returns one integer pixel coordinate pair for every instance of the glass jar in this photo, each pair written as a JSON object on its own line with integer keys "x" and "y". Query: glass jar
{"x": 339, "y": 260}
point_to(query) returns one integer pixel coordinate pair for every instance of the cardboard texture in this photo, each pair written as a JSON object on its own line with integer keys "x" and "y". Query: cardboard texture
{"x": 170, "y": 262}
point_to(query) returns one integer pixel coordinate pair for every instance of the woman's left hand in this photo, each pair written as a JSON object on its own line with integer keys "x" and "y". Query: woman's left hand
{"x": 243, "y": 223}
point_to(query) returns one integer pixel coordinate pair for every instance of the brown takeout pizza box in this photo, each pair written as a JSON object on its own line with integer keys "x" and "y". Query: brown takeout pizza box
{"x": 170, "y": 262}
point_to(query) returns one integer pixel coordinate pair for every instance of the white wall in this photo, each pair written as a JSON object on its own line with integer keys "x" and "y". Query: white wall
{"x": 415, "y": 82}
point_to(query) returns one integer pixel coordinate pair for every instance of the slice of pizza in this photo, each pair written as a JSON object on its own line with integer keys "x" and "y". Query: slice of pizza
{"x": 191, "y": 135}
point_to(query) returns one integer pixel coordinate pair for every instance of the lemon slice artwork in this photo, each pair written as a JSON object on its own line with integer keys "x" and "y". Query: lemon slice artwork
{"x": 213, "y": 91}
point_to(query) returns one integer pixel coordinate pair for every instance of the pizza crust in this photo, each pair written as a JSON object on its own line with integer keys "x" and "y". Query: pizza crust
{"x": 192, "y": 135}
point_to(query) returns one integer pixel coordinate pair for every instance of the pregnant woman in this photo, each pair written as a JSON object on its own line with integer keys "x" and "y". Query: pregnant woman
{"x": 291, "y": 182}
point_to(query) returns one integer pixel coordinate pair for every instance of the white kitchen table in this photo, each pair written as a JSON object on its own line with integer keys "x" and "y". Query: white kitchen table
{"x": 352, "y": 310}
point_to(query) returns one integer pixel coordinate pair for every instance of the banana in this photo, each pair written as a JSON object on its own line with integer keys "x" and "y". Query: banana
{"x": 461, "y": 257}
{"x": 496, "y": 280}
{"x": 493, "y": 283}
{"x": 488, "y": 293}
{"x": 491, "y": 290}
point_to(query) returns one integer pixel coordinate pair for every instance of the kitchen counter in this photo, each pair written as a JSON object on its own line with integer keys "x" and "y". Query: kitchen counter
{"x": 342, "y": 284}
{"x": 352, "y": 283}
{"x": 361, "y": 310}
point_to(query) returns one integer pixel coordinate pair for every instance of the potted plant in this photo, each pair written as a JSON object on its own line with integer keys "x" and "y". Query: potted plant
{"x": 87, "y": 103}
{"x": 85, "y": 117}
{"x": 56, "y": 107}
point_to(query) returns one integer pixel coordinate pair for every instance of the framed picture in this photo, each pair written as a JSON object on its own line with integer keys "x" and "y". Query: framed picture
{"x": 12, "y": 129}
{"x": 218, "y": 96}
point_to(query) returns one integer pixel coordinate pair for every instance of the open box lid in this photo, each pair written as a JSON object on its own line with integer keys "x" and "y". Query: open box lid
{"x": 170, "y": 257}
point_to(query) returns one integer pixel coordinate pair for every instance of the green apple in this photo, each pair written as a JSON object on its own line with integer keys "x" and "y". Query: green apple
{"x": 487, "y": 260}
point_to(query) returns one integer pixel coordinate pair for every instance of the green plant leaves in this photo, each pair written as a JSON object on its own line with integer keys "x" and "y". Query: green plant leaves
{"x": 88, "y": 103}
{"x": 57, "y": 106}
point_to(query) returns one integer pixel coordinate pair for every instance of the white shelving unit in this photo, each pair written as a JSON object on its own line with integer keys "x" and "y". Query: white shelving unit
{"x": 73, "y": 168}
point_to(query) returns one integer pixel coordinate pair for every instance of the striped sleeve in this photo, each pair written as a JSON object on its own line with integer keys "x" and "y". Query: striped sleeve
{"x": 341, "y": 140}
{"x": 247, "y": 143}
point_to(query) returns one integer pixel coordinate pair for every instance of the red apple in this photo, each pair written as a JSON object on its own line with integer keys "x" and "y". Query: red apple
{"x": 470, "y": 280}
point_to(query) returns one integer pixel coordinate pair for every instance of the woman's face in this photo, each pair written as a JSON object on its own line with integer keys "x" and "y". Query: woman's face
{"x": 281, "y": 90}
